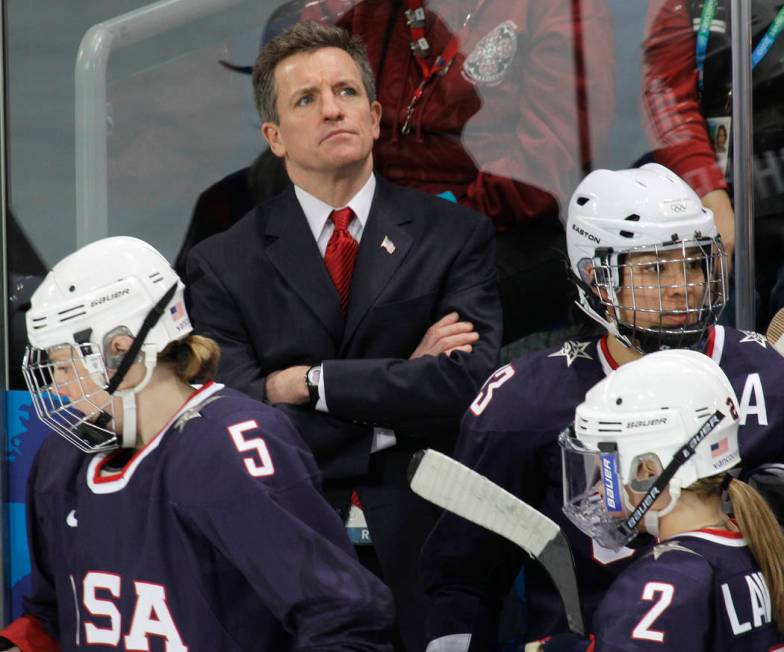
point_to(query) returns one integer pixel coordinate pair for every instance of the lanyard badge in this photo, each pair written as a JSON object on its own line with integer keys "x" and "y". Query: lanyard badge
{"x": 703, "y": 34}
{"x": 416, "y": 21}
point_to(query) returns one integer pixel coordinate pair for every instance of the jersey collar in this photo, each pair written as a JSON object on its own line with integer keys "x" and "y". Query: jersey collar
{"x": 715, "y": 535}
{"x": 110, "y": 483}
{"x": 714, "y": 347}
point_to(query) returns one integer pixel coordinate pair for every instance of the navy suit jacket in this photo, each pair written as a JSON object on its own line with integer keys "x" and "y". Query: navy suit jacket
{"x": 262, "y": 291}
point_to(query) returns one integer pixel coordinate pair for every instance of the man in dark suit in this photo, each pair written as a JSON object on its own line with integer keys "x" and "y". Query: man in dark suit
{"x": 369, "y": 311}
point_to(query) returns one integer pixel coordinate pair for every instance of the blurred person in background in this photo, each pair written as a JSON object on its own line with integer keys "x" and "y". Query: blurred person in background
{"x": 687, "y": 96}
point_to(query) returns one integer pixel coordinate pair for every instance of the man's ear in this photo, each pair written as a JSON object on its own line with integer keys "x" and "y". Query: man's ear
{"x": 375, "y": 115}
{"x": 271, "y": 133}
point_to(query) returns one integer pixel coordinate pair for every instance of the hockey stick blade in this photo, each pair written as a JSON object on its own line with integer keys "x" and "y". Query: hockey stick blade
{"x": 454, "y": 487}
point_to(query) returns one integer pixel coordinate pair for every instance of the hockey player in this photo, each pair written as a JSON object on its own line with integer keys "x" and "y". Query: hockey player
{"x": 650, "y": 268}
{"x": 196, "y": 522}
{"x": 711, "y": 584}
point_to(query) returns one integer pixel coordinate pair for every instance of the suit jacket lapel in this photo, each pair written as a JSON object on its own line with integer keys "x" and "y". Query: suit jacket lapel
{"x": 293, "y": 251}
{"x": 375, "y": 265}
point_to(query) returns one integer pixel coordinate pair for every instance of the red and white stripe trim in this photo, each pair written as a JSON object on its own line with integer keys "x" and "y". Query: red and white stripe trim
{"x": 110, "y": 483}
{"x": 722, "y": 537}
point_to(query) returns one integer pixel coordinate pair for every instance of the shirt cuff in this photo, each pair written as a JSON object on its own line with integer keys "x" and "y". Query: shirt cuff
{"x": 450, "y": 643}
{"x": 321, "y": 404}
{"x": 382, "y": 438}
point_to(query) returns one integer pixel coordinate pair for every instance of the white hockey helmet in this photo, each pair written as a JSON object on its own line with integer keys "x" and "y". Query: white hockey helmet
{"x": 648, "y": 211}
{"x": 672, "y": 414}
{"x": 115, "y": 286}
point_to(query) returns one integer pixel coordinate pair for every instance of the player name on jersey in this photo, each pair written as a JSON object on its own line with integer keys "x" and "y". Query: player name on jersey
{"x": 747, "y": 601}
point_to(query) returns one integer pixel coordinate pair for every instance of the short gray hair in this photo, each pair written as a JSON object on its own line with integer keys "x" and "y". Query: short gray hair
{"x": 306, "y": 36}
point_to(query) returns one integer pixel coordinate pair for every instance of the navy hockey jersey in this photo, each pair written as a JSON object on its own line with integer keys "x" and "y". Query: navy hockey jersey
{"x": 699, "y": 591}
{"x": 509, "y": 434}
{"x": 214, "y": 536}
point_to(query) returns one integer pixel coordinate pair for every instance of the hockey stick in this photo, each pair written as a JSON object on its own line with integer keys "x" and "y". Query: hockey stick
{"x": 456, "y": 488}
{"x": 775, "y": 332}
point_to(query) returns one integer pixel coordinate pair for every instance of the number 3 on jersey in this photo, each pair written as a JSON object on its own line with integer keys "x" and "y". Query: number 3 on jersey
{"x": 491, "y": 384}
{"x": 258, "y": 464}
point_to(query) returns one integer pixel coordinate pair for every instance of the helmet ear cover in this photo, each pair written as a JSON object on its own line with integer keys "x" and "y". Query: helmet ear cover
{"x": 133, "y": 352}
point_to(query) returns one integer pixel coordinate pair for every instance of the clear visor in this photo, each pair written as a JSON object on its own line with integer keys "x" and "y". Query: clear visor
{"x": 592, "y": 486}
{"x": 67, "y": 385}
{"x": 672, "y": 292}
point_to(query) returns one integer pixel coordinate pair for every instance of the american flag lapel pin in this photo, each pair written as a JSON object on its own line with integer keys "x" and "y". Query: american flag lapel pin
{"x": 387, "y": 245}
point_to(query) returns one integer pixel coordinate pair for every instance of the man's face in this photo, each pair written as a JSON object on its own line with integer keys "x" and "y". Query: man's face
{"x": 326, "y": 122}
{"x": 664, "y": 290}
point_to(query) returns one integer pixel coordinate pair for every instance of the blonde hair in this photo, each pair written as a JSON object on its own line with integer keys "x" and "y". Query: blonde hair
{"x": 759, "y": 528}
{"x": 194, "y": 358}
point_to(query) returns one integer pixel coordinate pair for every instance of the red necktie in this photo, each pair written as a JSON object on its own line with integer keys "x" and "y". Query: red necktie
{"x": 341, "y": 254}
{"x": 339, "y": 258}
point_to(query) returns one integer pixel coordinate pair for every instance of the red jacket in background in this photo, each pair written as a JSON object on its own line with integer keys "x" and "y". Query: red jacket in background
{"x": 511, "y": 125}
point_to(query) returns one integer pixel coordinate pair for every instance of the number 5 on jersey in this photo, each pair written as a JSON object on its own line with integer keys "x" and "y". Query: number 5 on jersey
{"x": 259, "y": 463}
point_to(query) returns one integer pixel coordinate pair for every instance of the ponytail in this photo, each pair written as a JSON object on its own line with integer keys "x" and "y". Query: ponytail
{"x": 766, "y": 542}
{"x": 761, "y": 531}
{"x": 195, "y": 358}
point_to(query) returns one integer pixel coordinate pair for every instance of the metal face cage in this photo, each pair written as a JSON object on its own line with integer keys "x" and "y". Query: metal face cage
{"x": 663, "y": 296}
{"x": 67, "y": 385}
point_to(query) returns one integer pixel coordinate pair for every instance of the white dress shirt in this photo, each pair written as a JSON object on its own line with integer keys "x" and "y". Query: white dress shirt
{"x": 317, "y": 214}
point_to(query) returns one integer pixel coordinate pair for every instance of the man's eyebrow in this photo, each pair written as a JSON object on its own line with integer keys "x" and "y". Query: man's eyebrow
{"x": 312, "y": 88}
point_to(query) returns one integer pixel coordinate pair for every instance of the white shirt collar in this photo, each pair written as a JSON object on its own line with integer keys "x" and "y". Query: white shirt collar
{"x": 317, "y": 212}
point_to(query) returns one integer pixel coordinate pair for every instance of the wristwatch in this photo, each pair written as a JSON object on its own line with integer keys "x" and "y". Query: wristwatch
{"x": 312, "y": 382}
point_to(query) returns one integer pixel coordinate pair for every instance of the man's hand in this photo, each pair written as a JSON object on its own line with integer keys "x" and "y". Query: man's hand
{"x": 288, "y": 386}
{"x": 446, "y": 335}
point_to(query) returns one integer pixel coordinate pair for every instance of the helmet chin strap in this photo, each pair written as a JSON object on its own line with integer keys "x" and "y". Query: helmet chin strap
{"x": 128, "y": 397}
{"x": 651, "y": 518}
{"x": 585, "y": 304}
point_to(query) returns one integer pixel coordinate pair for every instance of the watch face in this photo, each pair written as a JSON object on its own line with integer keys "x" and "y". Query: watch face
{"x": 312, "y": 381}
{"x": 314, "y": 374}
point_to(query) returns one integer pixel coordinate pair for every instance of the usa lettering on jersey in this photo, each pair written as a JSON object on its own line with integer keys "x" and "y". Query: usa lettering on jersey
{"x": 101, "y": 591}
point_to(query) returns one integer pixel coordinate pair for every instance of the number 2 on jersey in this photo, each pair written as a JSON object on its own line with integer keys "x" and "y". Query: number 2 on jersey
{"x": 260, "y": 464}
{"x": 643, "y": 629}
